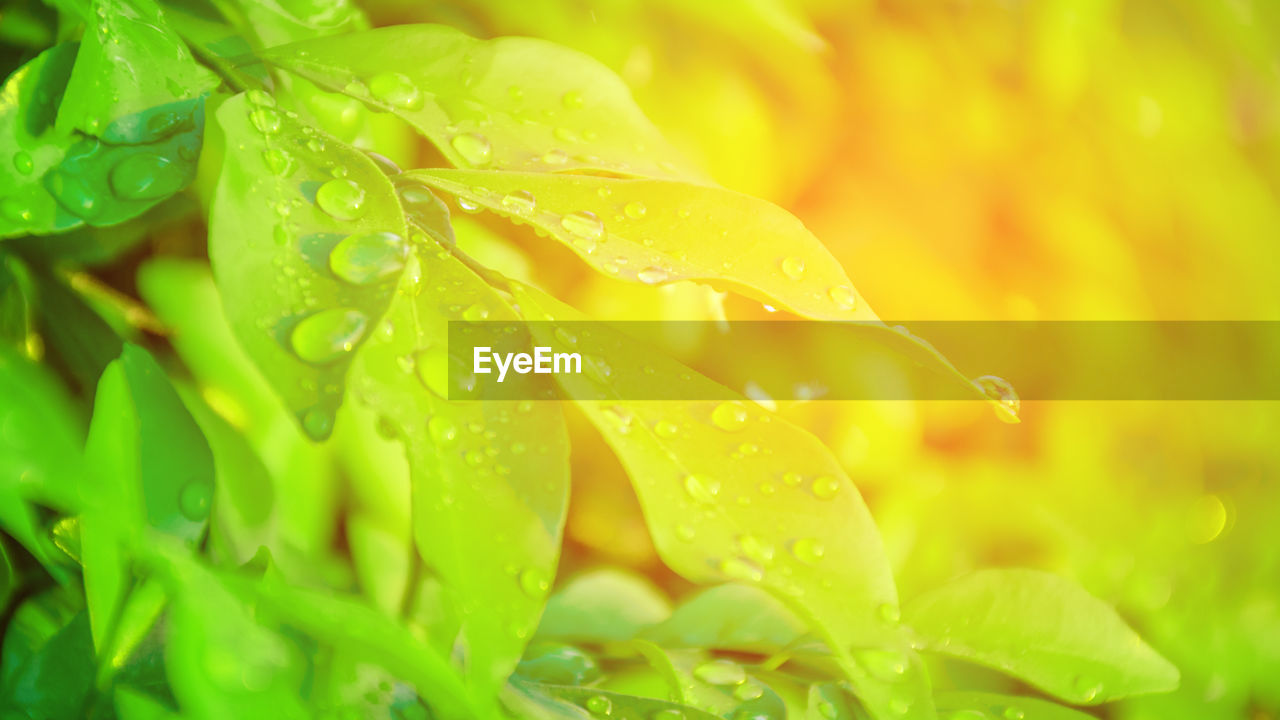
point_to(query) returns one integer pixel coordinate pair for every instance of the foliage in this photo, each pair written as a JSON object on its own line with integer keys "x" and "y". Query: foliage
{"x": 239, "y": 488}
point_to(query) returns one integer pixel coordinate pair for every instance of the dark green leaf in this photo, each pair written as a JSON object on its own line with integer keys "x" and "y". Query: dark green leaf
{"x": 54, "y": 683}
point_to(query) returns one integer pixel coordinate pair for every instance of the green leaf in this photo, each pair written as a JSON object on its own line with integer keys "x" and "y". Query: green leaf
{"x": 510, "y": 103}
{"x": 489, "y": 480}
{"x": 658, "y": 231}
{"x": 306, "y": 239}
{"x": 603, "y": 605}
{"x": 729, "y": 617}
{"x": 56, "y": 680}
{"x": 40, "y": 458}
{"x": 733, "y": 493}
{"x": 723, "y": 686}
{"x": 990, "y": 705}
{"x": 131, "y": 76}
{"x": 1044, "y": 629}
{"x": 353, "y": 626}
{"x": 222, "y": 661}
{"x": 273, "y": 23}
{"x": 600, "y": 703}
{"x": 28, "y": 106}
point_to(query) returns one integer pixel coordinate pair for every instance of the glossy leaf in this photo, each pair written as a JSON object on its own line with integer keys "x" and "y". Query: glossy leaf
{"x": 781, "y": 515}
{"x": 28, "y": 105}
{"x": 133, "y": 77}
{"x": 489, "y": 480}
{"x": 599, "y": 703}
{"x": 1004, "y": 706}
{"x": 516, "y": 104}
{"x": 658, "y": 231}
{"x": 729, "y": 617}
{"x": 306, "y": 237}
{"x": 1044, "y": 629}
{"x": 603, "y": 605}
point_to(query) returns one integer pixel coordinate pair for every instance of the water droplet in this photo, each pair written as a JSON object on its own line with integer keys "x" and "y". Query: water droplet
{"x": 328, "y": 335}
{"x": 585, "y": 227}
{"x": 792, "y": 479}
{"x": 520, "y": 202}
{"x": 826, "y": 487}
{"x": 843, "y": 296}
{"x": 260, "y": 97}
{"x": 317, "y": 423}
{"x": 887, "y": 665}
{"x": 742, "y": 569}
{"x": 635, "y": 210}
{"x": 1006, "y": 398}
{"x": 475, "y": 313}
{"x": 702, "y": 488}
{"x": 730, "y": 416}
{"x": 1087, "y": 689}
{"x": 23, "y": 163}
{"x": 793, "y": 267}
{"x": 474, "y": 148}
{"x": 534, "y": 583}
{"x": 14, "y": 209}
{"x": 748, "y": 691}
{"x": 147, "y": 176}
{"x": 396, "y": 90}
{"x": 367, "y": 258}
{"x": 73, "y": 194}
{"x": 599, "y": 705}
{"x": 469, "y": 206}
{"x": 280, "y": 162}
{"x": 652, "y": 275}
{"x": 685, "y": 532}
{"x": 1012, "y": 712}
{"x": 721, "y": 672}
{"x": 808, "y": 550}
{"x": 443, "y": 431}
{"x": 565, "y": 336}
{"x": 341, "y": 198}
{"x": 572, "y": 99}
{"x": 555, "y": 157}
{"x": 266, "y": 120}
{"x": 666, "y": 429}
{"x": 194, "y": 500}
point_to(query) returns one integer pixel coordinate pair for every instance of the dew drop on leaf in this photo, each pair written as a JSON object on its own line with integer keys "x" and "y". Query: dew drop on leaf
{"x": 826, "y": 487}
{"x": 194, "y": 500}
{"x": 396, "y": 90}
{"x": 748, "y": 691}
{"x": 729, "y": 416}
{"x": 808, "y": 550}
{"x": 317, "y": 423}
{"x": 583, "y": 226}
{"x": 534, "y": 583}
{"x": 473, "y": 147}
{"x": 443, "y": 431}
{"x": 280, "y": 162}
{"x": 889, "y": 614}
{"x": 520, "y": 202}
{"x": 702, "y": 488}
{"x": 1013, "y": 713}
{"x": 469, "y": 206}
{"x": 572, "y": 99}
{"x": 635, "y": 210}
{"x": 742, "y": 569}
{"x": 341, "y": 198}
{"x": 73, "y": 194}
{"x": 475, "y": 313}
{"x": 267, "y": 120}
{"x": 652, "y": 275}
{"x": 555, "y": 157}
{"x": 146, "y": 176}
{"x": 260, "y": 97}
{"x": 793, "y": 267}
{"x": 328, "y": 335}
{"x": 599, "y": 705}
{"x": 1087, "y": 687}
{"x": 721, "y": 672}
{"x": 887, "y": 665}
{"x": 22, "y": 162}
{"x": 843, "y": 297}
{"x": 999, "y": 390}
{"x": 666, "y": 429}
{"x": 367, "y": 258}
